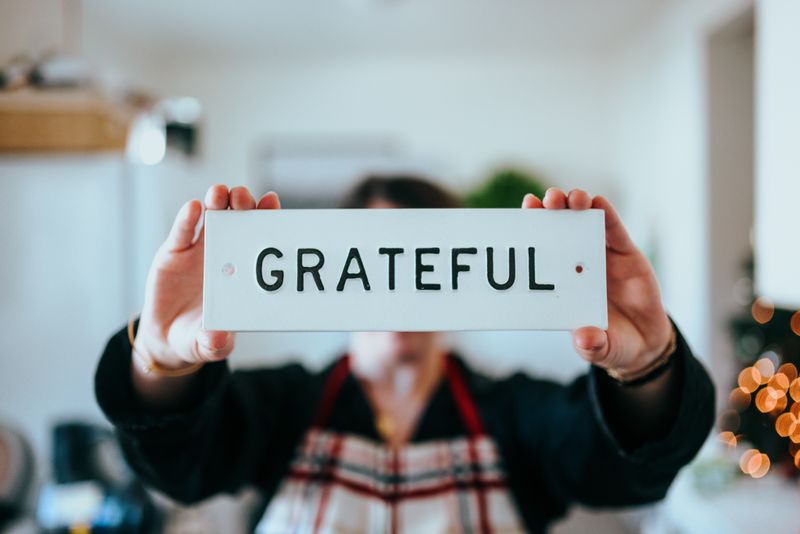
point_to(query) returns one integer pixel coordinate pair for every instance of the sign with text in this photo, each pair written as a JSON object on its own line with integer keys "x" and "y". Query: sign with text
{"x": 404, "y": 270}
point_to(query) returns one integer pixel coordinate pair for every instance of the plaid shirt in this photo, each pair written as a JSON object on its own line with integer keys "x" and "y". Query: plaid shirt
{"x": 345, "y": 483}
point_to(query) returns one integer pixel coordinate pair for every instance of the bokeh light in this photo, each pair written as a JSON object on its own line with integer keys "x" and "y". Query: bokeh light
{"x": 794, "y": 434}
{"x": 728, "y": 439}
{"x": 780, "y": 405}
{"x": 728, "y": 421}
{"x": 794, "y": 389}
{"x": 749, "y": 379}
{"x": 754, "y": 463}
{"x": 786, "y": 424}
{"x": 766, "y": 368}
{"x": 739, "y": 399}
{"x": 765, "y": 402}
{"x": 762, "y": 468}
{"x": 762, "y": 310}
{"x": 779, "y": 382}
{"x": 789, "y": 370}
{"x": 794, "y": 323}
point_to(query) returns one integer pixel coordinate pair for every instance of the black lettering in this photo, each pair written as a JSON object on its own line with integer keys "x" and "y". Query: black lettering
{"x": 346, "y": 274}
{"x": 392, "y": 253}
{"x": 424, "y": 267}
{"x": 490, "y": 269}
{"x": 313, "y": 269}
{"x": 532, "y": 273}
{"x": 278, "y": 274}
{"x": 460, "y": 267}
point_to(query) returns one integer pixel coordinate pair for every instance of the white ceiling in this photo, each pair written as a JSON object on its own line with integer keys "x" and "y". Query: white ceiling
{"x": 296, "y": 27}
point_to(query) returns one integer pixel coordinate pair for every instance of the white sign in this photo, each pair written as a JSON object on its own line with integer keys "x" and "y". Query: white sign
{"x": 404, "y": 270}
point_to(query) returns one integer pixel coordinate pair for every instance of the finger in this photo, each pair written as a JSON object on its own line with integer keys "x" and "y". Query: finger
{"x": 213, "y": 345}
{"x": 578, "y": 199}
{"x": 217, "y": 197}
{"x": 554, "y": 199}
{"x": 591, "y": 343}
{"x": 531, "y": 201}
{"x": 617, "y": 237}
{"x": 181, "y": 236}
{"x": 241, "y": 199}
{"x": 270, "y": 201}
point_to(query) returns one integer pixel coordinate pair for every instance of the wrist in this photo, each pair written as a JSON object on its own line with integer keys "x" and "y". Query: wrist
{"x": 651, "y": 367}
{"x": 154, "y": 362}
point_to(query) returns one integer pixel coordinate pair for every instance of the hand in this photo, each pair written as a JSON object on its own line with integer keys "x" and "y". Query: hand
{"x": 639, "y": 330}
{"x": 170, "y": 331}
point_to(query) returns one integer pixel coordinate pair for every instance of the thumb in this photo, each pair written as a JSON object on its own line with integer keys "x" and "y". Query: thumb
{"x": 591, "y": 343}
{"x": 213, "y": 345}
{"x": 181, "y": 236}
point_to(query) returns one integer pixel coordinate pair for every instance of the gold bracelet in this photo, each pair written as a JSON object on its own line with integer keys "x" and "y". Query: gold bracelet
{"x": 661, "y": 361}
{"x": 151, "y": 366}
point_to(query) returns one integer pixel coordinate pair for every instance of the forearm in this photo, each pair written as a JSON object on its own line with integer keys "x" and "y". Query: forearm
{"x": 163, "y": 393}
{"x": 166, "y": 426}
{"x": 637, "y": 414}
{"x": 639, "y": 438}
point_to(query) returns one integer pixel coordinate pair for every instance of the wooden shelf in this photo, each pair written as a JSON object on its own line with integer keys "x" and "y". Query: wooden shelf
{"x": 39, "y": 121}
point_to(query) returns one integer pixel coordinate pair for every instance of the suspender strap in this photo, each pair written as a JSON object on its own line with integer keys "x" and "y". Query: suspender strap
{"x": 455, "y": 378}
{"x": 464, "y": 403}
{"x": 332, "y": 386}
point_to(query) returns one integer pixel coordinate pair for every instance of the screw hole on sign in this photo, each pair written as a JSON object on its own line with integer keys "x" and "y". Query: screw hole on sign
{"x": 579, "y": 268}
{"x": 228, "y": 269}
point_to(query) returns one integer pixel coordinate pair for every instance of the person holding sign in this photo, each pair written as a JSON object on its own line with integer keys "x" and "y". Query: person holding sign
{"x": 400, "y": 434}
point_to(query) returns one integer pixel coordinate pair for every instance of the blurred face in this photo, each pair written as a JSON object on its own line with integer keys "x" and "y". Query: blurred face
{"x": 375, "y": 351}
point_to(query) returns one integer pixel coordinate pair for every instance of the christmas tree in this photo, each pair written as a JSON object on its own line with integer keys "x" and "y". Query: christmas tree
{"x": 765, "y": 402}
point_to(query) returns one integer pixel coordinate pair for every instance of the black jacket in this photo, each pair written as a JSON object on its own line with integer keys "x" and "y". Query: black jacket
{"x": 242, "y": 427}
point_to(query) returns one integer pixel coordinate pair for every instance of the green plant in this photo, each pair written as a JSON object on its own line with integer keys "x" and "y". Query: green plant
{"x": 504, "y": 189}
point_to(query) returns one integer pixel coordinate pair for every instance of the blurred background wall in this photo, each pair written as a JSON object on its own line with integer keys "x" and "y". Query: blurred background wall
{"x": 649, "y": 102}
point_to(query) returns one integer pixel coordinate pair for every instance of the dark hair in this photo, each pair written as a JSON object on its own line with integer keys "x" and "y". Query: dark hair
{"x": 404, "y": 191}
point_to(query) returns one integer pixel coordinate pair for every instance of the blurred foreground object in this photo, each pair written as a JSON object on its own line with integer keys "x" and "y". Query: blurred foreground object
{"x": 169, "y": 123}
{"x": 93, "y": 489}
{"x": 16, "y": 474}
{"x": 34, "y": 121}
{"x": 741, "y": 505}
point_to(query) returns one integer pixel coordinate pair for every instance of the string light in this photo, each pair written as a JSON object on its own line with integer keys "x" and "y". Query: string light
{"x": 766, "y": 368}
{"x": 728, "y": 438}
{"x": 775, "y": 392}
{"x": 762, "y": 310}
{"x": 749, "y": 379}
{"x": 739, "y": 399}
{"x": 765, "y": 401}
{"x": 729, "y": 421}
{"x": 754, "y": 463}
{"x": 785, "y": 424}
{"x": 780, "y": 405}
{"x": 779, "y": 381}
{"x": 794, "y": 390}
{"x": 789, "y": 370}
{"x": 794, "y": 323}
